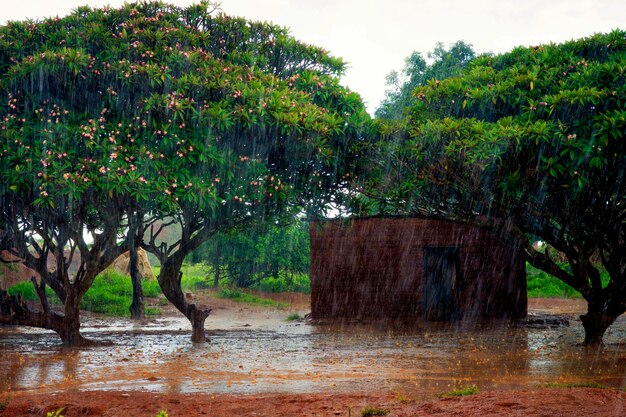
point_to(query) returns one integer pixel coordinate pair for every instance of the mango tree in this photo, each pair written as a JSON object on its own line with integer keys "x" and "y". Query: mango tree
{"x": 532, "y": 140}
{"x": 180, "y": 113}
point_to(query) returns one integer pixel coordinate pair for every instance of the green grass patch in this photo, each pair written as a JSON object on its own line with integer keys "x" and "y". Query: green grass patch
{"x": 112, "y": 293}
{"x": 285, "y": 283}
{"x": 294, "y": 317}
{"x": 27, "y": 291}
{"x": 244, "y": 297}
{"x": 195, "y": 276}
{"x": 460, "y": 392}
{"x": 374, "y": 411}
{"x": 200, "y": 276}
{"x": 55, "y": 413}
{"x": 544, "y": 285}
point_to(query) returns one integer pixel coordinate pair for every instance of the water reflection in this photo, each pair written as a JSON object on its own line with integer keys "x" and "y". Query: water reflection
{"x": 304, "y": 358}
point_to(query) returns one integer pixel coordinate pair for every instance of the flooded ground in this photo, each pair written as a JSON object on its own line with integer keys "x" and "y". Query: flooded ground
{"x": 262, "y": 353}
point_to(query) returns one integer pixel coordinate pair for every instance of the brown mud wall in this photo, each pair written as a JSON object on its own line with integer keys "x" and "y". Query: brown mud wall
{"x": 373, "y": 268}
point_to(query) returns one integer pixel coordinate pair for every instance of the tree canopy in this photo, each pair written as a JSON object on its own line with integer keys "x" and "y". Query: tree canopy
{"x": 535, "y": 139}
{"x": 173, "y": 112}
{"x": 417, "y": 72}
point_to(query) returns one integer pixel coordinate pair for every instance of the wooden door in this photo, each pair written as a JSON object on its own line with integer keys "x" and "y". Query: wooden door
{"x": 442, "y": 279}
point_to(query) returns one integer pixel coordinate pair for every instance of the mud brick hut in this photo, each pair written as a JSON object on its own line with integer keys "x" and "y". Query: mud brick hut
{"x": 409, "y": 269}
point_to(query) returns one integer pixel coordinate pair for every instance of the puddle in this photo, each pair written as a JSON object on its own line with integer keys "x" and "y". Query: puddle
{"x": 270, "y": 355}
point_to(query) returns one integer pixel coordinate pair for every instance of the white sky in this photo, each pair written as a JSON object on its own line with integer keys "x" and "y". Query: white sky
{"x": 374, "y": 36}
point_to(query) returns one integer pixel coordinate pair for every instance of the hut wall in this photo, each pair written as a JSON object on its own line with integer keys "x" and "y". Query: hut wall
{"x": 374, "y": 268}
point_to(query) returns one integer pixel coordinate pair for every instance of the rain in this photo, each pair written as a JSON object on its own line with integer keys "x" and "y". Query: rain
{"x": 195, "y": 205}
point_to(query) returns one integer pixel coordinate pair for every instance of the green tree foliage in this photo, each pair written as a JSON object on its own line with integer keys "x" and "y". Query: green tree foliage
{"x": 180, "y": 113}
{"x": 249, "y": 257}
{"x": 534, "y": 140}
{"x": 417, "y": 72}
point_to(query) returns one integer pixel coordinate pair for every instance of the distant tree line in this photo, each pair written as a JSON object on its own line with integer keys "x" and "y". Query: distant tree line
{"x": 248, "y": 257}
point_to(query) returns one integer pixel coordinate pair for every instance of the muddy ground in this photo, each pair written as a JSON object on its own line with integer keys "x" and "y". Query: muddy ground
{"x": 548, "y": 402}
{"x": 258, "y": 364}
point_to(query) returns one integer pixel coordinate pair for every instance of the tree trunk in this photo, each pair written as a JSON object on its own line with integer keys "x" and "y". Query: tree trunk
{"x": 14, "y": 311}
{"x": 197, "y": 318}
{"x": 137, "y": 306}
{"x": 170, "y": 282}
{"x": 595, "y": 322}
{"x": 70, "y": 328}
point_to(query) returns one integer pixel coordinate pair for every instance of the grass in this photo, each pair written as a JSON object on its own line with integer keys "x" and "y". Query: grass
{"x": 460, "y": 392}
{"x": 200, "y": 276}
{"x": 374, "y": 411}
{"x": 195, "y": 276}
{"x": 293, "y": 283}
{"x": 543, "y": 285}
{"x": 244, "y": 297}
{"x": 56, "y": 413}
{"x": 402, "y": 398}
{"x": 112, "y": 292}
{"x": 27, "y": 291}
{"x": 294, "y": 317}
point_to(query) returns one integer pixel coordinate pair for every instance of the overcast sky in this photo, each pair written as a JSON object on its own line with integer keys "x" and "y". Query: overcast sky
{"x": 374, "y": 36}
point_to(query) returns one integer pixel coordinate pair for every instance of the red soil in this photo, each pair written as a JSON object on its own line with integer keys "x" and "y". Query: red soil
{"x": 537, "y": 402}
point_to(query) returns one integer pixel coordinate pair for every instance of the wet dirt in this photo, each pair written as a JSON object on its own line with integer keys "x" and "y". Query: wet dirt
{"x": 547, "y": 402}
{"x": 254, "y": 351}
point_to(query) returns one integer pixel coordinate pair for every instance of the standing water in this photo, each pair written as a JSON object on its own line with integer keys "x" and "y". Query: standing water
{"x": 271, "y": 355}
